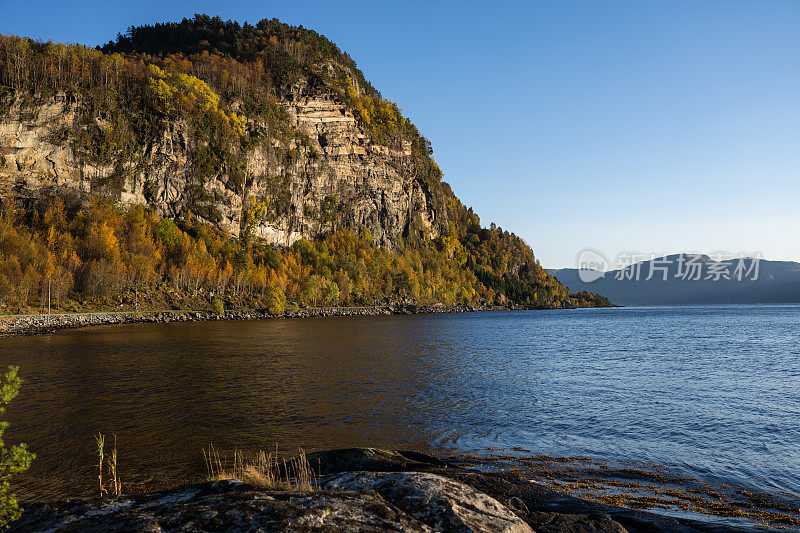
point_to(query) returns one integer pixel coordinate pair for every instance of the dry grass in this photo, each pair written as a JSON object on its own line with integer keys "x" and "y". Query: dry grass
{"x": 266, "y": 470}
{"x": 100, "y": 440}
{"x": 116, "y": 484}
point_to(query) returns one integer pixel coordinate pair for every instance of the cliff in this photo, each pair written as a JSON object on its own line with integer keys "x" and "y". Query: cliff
{"x": 308, "y": 149}
{"x": 267, "y": 133}
{"x": 336, "y": 170}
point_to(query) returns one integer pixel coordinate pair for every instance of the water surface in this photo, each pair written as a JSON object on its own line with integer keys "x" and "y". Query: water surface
{"x": 710, "y": 391}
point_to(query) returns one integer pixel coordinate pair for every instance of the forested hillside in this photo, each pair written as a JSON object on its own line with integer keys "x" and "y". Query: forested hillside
{"x": 252, "y": 163}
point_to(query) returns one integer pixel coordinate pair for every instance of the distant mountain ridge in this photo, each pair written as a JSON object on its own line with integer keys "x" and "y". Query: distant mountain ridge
{"x": 757, "y": 281}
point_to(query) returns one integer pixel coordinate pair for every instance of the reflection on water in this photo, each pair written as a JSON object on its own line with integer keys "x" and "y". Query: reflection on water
{"x": 710, "y": 391}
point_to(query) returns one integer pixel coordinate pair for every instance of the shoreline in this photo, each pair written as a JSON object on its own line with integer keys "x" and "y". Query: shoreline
{"x": 29, "y": 325}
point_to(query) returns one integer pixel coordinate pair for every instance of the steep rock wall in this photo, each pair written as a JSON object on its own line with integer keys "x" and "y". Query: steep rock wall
{"x": 335, "y": 175}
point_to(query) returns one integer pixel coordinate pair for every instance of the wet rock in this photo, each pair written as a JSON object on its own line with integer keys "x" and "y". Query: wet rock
{"x": 575, "y": 523}
{"x": 371, "y": 460}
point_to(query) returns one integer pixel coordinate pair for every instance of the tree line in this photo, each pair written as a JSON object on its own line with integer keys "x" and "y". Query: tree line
{"x": 94, "y": 254}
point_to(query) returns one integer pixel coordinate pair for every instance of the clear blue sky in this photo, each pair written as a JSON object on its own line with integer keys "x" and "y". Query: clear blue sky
{"x": 622, "y": 126}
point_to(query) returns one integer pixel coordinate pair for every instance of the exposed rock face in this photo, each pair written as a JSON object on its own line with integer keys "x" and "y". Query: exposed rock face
{"x": 335, "y": 176}
{"x": 365, "y": 178}
{"x": 29, "y": 158}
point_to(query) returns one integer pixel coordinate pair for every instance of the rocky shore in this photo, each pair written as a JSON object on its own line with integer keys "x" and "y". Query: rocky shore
{"x": 18, "y": 325}
{"x": 359, "y": 490}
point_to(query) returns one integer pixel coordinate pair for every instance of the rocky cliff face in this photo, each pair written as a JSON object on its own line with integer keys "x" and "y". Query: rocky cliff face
{"x": 328, "y": 174}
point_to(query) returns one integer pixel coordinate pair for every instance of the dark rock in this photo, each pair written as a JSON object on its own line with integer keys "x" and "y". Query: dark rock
{"x": 371, "y": 460}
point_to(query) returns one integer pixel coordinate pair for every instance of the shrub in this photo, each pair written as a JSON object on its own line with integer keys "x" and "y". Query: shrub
{"x": 14, "y": 459}
{"x": 217, "y": 306}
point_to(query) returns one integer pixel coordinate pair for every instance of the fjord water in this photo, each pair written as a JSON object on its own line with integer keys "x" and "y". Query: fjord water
{"x": 711, "y": 391}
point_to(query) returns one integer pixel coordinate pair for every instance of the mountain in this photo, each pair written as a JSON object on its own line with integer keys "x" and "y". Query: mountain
{"x": 279, "y": 167}
{"x": 212, "y": 117}
{"x": 749, "y": 281}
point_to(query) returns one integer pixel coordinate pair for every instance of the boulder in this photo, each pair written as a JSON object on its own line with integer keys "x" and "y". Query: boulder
{"x": 441, "y": 503}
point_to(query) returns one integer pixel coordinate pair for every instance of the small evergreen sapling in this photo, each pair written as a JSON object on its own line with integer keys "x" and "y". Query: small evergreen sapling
{"x": 13, "y": 459}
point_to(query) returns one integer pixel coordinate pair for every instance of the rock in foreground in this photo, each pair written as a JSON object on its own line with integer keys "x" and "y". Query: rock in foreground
{"x": 224, "y": 506}
{"x": 359, "y": 490}
{"x": 348, "y": 502}
{"x": 438, "y": 502}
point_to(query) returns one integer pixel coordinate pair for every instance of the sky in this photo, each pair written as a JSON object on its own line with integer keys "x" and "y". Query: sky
{"x": 650, "y": 127}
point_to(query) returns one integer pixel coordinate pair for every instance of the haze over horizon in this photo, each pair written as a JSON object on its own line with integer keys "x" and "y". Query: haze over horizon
{"x": 620, "y": 127}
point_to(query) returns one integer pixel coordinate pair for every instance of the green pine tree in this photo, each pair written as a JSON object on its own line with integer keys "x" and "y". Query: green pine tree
{"x": 13, "y": 459}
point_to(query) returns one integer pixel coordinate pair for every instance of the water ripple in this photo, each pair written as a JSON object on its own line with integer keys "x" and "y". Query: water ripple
{"x": 712, "y": 392}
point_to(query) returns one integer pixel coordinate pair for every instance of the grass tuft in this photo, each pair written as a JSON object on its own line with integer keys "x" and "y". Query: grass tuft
{"x": 265, "y": 470}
